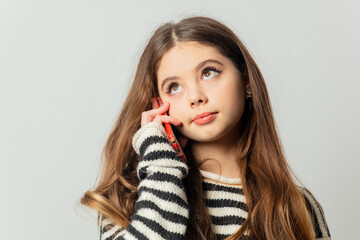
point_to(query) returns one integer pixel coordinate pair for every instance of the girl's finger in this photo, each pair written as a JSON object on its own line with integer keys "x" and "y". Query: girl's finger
{"x": 167, "y": 119}
{"x": 157, "y": 111}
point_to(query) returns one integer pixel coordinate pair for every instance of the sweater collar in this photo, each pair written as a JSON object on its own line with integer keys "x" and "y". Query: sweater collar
{"x": 219, "y": 178}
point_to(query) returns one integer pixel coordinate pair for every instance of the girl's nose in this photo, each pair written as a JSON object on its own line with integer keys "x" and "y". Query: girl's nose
{"x": 193, "y": 104}
{"x": 197, "y": 97}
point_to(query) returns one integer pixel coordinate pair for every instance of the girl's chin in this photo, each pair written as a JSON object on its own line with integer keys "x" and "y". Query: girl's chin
{"x": 202, "y": 139}
{"x": 203, "y": 136}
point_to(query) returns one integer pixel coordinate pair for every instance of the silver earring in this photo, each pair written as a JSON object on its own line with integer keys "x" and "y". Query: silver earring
{"x": 248, "y": 94}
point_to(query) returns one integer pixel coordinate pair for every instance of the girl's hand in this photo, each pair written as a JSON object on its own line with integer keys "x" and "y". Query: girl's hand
{"x": 155, "y": 115}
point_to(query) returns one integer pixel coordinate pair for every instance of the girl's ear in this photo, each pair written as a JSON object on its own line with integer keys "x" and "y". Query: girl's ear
{"x": 243, "y": 69}
{"x": 245, "y": 78}
{"x": 244, "y": 74}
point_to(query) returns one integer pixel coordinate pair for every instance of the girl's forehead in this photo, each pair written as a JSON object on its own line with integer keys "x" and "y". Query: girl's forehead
{"x": 189, "y": 49}
{"x": 186, "y": 55}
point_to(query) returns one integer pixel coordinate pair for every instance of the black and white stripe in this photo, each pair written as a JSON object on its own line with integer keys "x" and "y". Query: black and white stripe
{"x": 225, "y": 200}
{"x": 162, "y": 212}
{"x": 317, "y": 215}
{"x": 227, "y": 206}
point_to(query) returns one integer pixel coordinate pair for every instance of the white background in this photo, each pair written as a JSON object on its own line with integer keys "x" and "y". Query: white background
{"x": 65, "y": 68}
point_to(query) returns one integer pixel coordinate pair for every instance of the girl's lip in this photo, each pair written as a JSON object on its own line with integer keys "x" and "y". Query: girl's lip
{"x": 202, "y": 115}
{"x": 206, "y": 119}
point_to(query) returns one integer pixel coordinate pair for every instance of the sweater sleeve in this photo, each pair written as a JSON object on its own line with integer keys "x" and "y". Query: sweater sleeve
{"x": 161, "y": 210}
{"x": 317, "y": 216}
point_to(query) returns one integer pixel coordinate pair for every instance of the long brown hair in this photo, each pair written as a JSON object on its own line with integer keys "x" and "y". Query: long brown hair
{"x": 276, "y": 206}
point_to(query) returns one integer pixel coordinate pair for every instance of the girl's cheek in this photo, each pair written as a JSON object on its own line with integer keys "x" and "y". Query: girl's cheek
{"x": 175, "y": 110}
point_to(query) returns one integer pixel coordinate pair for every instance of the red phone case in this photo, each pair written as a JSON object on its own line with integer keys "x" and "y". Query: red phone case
{"x": 174, "y": 142}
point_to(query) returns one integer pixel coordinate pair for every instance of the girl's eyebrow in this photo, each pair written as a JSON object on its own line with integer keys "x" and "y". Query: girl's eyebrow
{"x": 200, "y": 65}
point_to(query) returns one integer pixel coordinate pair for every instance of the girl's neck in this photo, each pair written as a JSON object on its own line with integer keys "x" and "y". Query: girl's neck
{"x": 220, "y": 162}
{"x": 222, "y": 156}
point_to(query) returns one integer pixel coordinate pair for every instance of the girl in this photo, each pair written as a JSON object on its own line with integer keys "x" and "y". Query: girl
{"x": 235, "y": 184}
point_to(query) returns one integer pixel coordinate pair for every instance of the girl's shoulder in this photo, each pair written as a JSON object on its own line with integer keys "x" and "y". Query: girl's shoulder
{"x": 317, "y": 215}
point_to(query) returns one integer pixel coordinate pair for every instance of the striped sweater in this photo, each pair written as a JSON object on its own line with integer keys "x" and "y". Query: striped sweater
{"x": 162, "y": 211}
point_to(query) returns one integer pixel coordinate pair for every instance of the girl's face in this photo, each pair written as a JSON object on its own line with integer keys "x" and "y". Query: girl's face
{"x": 196, "y": 79}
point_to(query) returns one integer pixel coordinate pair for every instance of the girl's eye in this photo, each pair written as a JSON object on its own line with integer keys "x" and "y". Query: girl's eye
{"x": 207, "y": 72}
{"x": 173, "y": 88}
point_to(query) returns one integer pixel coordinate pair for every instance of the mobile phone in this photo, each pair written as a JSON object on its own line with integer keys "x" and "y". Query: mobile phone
{"x": 170, "y": 132}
